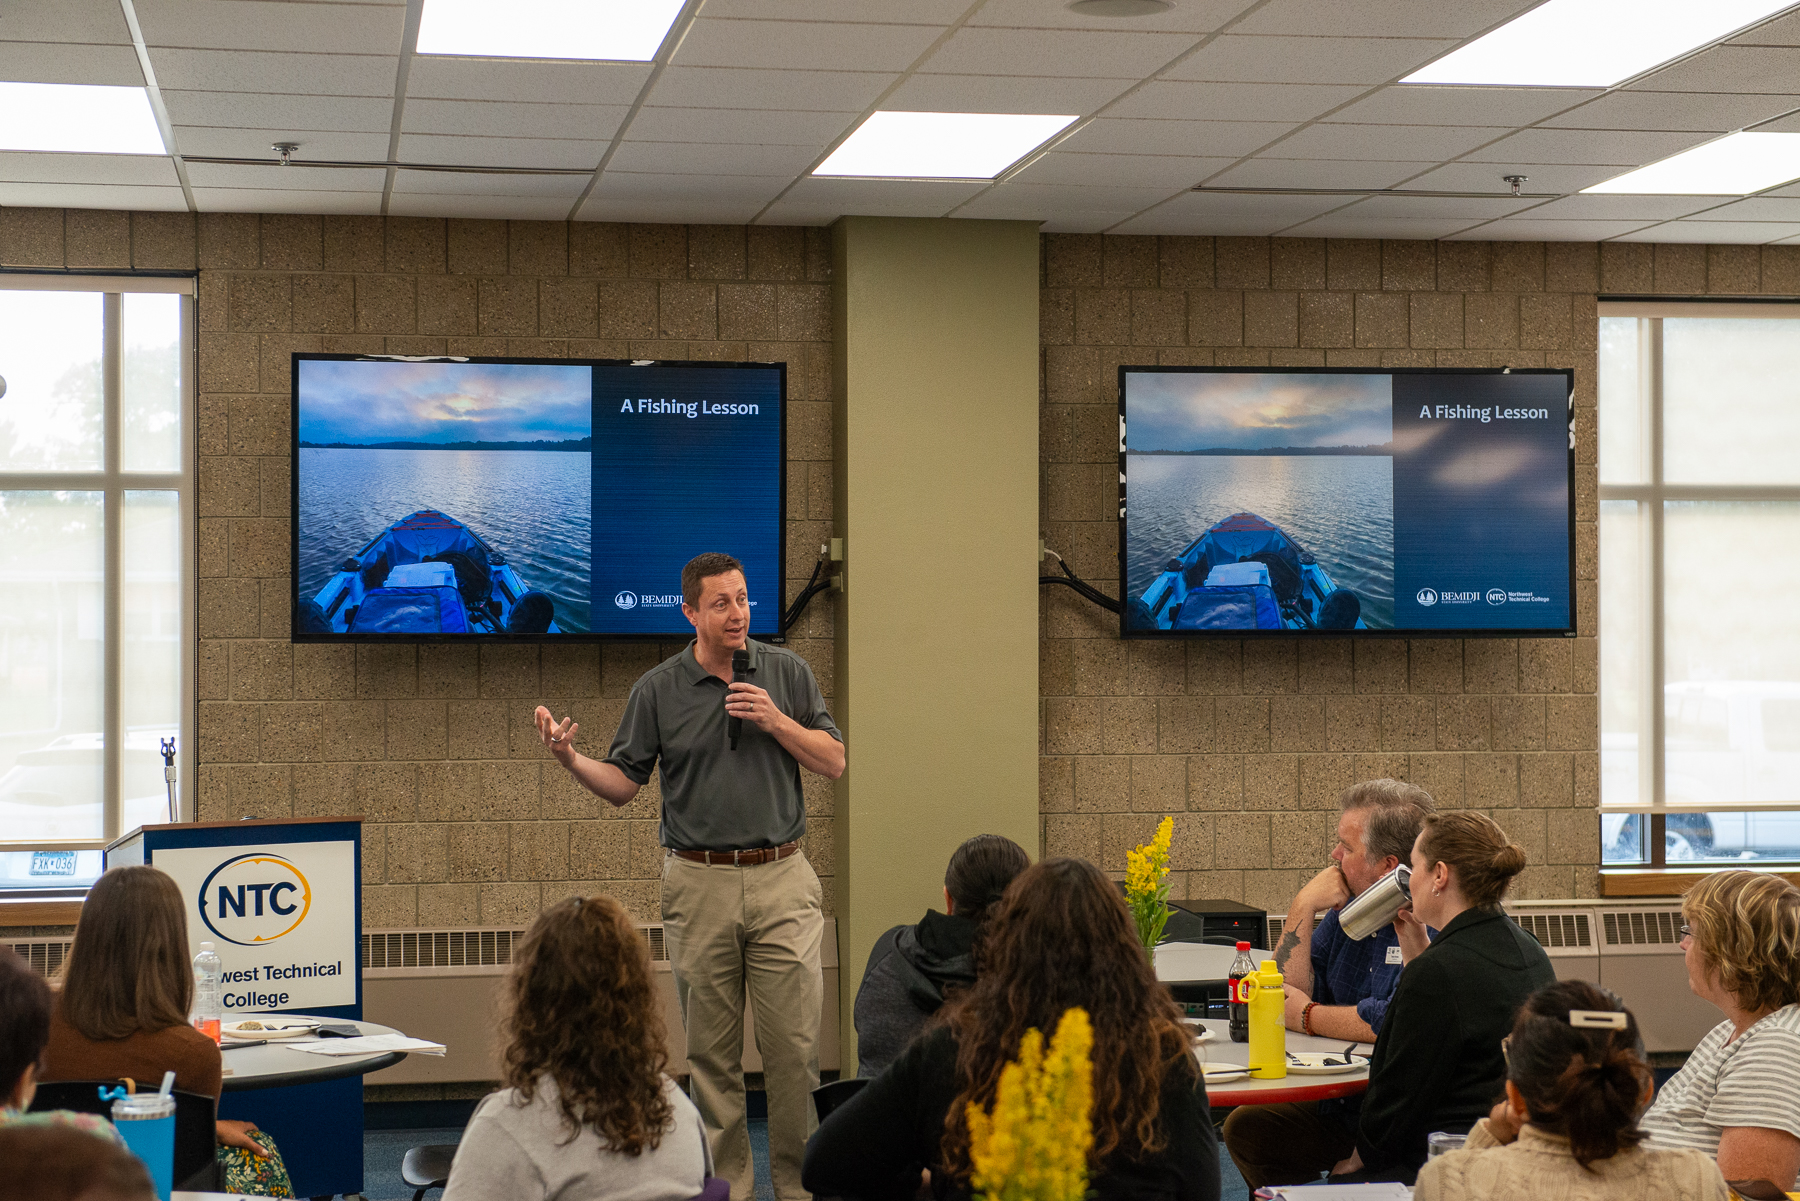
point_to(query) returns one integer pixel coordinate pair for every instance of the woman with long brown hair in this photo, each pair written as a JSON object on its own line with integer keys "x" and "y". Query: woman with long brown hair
{"x": 1060, "y": 938}
{"x": 588, "y": 1112}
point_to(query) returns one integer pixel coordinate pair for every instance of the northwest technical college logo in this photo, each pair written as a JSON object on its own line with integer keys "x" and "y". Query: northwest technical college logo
{"x": 1427, "y": 596}
{"x": 254, "y": 899}
{"x": 626, "y": 600}
{"x": 1496, "y": 596}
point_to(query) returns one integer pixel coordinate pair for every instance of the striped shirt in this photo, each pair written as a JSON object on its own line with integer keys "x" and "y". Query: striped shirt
{"x": 1753, "y": 1080}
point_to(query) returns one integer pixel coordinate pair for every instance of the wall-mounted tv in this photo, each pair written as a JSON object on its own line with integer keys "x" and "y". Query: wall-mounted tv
{"x": 1292, "y": 501}
{"x": 513, "y": 499}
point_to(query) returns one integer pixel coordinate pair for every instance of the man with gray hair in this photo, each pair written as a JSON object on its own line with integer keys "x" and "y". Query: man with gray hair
{"x": 1339, "y": 988}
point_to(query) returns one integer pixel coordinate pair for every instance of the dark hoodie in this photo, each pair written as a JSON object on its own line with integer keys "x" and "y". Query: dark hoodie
{"x": 909, "y": 969}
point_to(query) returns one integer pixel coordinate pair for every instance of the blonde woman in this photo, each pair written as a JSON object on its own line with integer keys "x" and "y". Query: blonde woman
{"x": 1738, "y": 1097}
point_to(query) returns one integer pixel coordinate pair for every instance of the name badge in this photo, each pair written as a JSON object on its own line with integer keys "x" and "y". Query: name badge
{"x": 1393, "y": 954}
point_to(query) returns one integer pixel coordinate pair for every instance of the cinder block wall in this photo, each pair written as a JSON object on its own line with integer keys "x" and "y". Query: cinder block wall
{"x": 466, "y": 820}
{"x": 1247, "y": 744}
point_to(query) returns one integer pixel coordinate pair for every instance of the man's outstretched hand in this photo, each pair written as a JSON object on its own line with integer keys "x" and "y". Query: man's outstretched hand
{"x": 559, "y": 739}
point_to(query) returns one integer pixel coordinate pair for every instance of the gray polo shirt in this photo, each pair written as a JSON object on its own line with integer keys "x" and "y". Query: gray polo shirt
{"x": 715, "y": 798}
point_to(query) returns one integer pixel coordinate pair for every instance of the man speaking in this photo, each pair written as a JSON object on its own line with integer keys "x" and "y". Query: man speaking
{"x": 741, "y": 905}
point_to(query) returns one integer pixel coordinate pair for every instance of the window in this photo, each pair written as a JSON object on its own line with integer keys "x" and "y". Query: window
{"x": 96, "y": 566}
{"x": 1699, "y": 512}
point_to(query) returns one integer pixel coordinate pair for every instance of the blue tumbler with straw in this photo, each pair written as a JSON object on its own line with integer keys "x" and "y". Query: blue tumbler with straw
{"x": 146, "y": 1121}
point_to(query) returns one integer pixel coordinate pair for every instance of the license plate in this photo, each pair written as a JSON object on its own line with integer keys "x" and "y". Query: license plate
{"x": 53, "y": 863}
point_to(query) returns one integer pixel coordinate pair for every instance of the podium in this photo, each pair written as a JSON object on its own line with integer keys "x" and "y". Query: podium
{"x": 281, "y": 902}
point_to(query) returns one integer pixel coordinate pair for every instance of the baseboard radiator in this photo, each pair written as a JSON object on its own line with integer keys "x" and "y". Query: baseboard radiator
{"x": 444, "y": 985}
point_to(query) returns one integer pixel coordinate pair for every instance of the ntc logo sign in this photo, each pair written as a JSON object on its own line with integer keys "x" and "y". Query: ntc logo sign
{"x": 254, "y": 899}
{"x": 1496, "y": 596}
{"x": 626, "y": 600}
{"x": 1427, "y": 596}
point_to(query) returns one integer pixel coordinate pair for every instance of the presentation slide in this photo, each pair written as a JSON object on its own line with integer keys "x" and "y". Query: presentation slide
{"x": 529, "y": 497}
{"x": 1331, "y": 502}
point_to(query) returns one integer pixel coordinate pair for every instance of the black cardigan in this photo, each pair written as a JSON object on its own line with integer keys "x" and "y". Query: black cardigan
{"x": 873, "y": 1146}
{"x": 1437, "y": 1063}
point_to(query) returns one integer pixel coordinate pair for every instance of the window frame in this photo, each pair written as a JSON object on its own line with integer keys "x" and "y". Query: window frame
{"x": 1652, "y": 496}
{"x": 113, "y": 481}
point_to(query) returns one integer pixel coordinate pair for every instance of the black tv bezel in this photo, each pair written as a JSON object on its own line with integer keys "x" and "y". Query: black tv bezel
{"x": 1569, "y": 631}
{"x": 295, "y": 634}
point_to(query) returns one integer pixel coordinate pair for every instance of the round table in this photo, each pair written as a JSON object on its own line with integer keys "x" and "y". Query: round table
{"x": 1199, "y": 963}
{"x": 278, "y": 1064}
{"x": 1219, "y": 1049}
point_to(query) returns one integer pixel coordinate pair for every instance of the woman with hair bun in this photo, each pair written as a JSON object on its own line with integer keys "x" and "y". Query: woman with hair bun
{"x": 1576, "y": 1081}
{"x": 913, "y": 970}
{"x": 1437, "y": 1063}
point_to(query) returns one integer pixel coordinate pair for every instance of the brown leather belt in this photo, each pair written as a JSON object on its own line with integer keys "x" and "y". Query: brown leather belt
{"x": 750, "y": 858}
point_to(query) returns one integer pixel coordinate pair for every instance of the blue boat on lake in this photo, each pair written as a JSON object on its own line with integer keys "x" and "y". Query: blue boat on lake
{"x": 1245, "y": 573}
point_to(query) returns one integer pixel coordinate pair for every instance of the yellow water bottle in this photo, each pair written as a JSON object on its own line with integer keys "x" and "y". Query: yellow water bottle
{"x": 1268, "y": 1025}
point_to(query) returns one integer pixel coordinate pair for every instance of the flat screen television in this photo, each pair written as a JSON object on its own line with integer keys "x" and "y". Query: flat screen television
{"x": 514, "y": 499}
{"x": 1290, "y": 501}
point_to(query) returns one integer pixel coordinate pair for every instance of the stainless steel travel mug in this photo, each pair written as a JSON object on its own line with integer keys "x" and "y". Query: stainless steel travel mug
{"x": 1378, "y": 904}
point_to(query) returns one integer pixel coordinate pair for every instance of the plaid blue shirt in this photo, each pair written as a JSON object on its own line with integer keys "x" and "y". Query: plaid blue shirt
{"x": 1347, "y": 972}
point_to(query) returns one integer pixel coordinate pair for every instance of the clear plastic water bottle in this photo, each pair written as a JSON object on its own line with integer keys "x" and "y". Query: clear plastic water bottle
{"x": 209, "y": 1001}
{"x": 1242, "y": 966}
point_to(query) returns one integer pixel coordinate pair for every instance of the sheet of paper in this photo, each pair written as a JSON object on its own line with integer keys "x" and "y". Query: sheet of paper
{"x": 1345, "y": 1192}
{"x": 369, "y": 1044}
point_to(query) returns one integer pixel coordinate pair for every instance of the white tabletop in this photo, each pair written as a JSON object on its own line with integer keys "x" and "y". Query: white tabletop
{"x": 1197, "y": 963}
{"x": 1219, "y": 1049}
{"x": 278, "y": 1064}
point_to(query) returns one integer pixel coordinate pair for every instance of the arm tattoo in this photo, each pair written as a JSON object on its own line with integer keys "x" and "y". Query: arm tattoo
{"x": 1289, "y": 940}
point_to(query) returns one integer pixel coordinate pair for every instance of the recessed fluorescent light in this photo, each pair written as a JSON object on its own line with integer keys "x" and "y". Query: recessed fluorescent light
{"x": 940, "y": 145}
{"x": 619, "y": 30}
{"x": 78, "y": 118}
{"x": 1732, "y": 166}
{"x": 1592, "y": 43}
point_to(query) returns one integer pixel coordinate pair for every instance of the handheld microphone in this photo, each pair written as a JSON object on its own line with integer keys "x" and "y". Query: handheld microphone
{"x": 740, "y": 671}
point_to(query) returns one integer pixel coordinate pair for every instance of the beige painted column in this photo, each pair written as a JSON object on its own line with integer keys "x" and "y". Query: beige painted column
{"x": 936, "y": 428}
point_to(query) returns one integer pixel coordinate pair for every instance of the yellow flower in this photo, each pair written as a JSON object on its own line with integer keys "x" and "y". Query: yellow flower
{"x": 1034, "y": 1145}
{"x": 1147, "y": 884}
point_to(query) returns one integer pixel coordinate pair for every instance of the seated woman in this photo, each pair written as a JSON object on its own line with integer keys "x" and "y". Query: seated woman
{"x": 24, "y": 1029}
{"x": 1060, "y": 938}
{"x": 589, "y": 1112}
{"x": 911, "y": 967}
{"x": 1437, "y": 1063}
{"x": 1567, "y": 1129}
{"x": 1738, "y": 1096}
{"x": 127, "y": 988}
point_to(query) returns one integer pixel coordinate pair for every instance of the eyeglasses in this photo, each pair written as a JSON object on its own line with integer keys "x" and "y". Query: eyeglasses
{"x": 1685, "y": 931}
{"x": 1505, "y": 1045}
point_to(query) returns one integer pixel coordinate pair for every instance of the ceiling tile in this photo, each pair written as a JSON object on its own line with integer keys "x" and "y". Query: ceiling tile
{"x": 1233, "y": 101}
{"x": 267, "y": 25}
{"x": 1108, "y": 135}
{"x": 1758, "y": 208}
{"x": 1782, "y": 31}
{"x": 1789, "y": 124}
{"x": 22, "y": 167}
{"x": 1485, "y": 177}
{"x": 1674, "y": 110}
{"x": 1319, "y": 173}
{"x": 1189, "y": 16}
{"x": 45, "y": 62}
{"x": 1632, "y": 148}
{"x": 90, "y": 196}
{"x": 1436, "y": 208}
{"x": 815, "y": 201}
{"x": 1382, "y": 18}
{"x": 440, "y": 78}
{"x": 286, "y": 179}
{"x": 1039, "y": 201}
{"x": 454, "y": 183}
{"x": 690, "y": 159}
{"x": 90, "y": 21}
{"x": 750, "y": 126}
{"x": 256, "y": 71}
{"x": 1003, "y": 94}
{"x": 1720, "y": 232}
{"x": 800, "y": 45}
{"x": 1165, "y": 173}
{"x": 644, "y": 186}
{"x": 693, "y": 210}
{"x": 515, "y": 208}
{"x": 256, "y": 200}
{"x": 1436, "y": 142}
{"x": 736, "y": 87}
{"x": 1414, "y": 104}
{"x": 500, "y": 152}
{"x": 918, "y": 12}
{"x": 215, "y": 142}
{"x": 975, "y": 51}
{"x": 351, "y": 114}
{"x": 1621, "y": 208}
{"x": 1362, "y": 61}
{"x": 502, "y": 118}
{"x": 1200, "y": 213}
{"x": 1727, "y": 69}
{"x": 1349, "y": 225}
{"x": 1523, "y": 229}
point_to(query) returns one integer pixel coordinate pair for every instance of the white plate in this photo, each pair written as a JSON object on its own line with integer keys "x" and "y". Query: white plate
{"x": 1312, "y": 1063}
{"x": 1224, "y": 1075}
{"x": 1201, "y": 1033}
{"x": 274, "y": 1028}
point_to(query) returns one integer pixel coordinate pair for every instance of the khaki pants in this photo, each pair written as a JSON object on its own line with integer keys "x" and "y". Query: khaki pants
{"x": 733, "y": 932}
{"x": 1285, "y": 1144}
